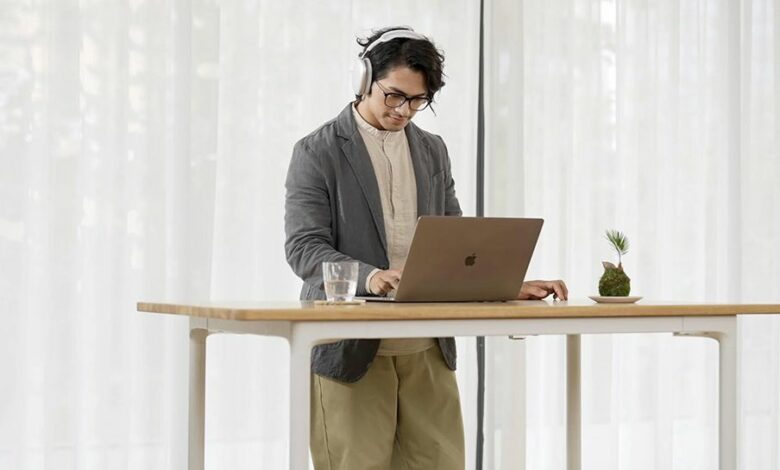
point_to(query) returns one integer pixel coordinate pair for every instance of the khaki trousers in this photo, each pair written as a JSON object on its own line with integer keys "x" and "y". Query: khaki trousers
{"x": 404, "y": 414}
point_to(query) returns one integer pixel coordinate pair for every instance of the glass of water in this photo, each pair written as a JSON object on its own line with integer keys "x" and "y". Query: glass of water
{"x": 340, "y": 279}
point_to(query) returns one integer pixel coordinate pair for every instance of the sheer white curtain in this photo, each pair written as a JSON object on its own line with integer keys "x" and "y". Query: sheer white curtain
{"x": 658, "y": 118}
{"x": 143, "y": 150}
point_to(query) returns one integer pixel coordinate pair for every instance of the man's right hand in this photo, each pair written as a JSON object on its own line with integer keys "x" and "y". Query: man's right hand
{"x": 383, "y": 282}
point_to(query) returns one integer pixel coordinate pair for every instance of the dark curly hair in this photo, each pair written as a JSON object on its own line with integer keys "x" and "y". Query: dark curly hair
{"x": 420, "y": 55}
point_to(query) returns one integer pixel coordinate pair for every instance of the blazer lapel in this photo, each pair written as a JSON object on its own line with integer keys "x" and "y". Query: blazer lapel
{"x": 357, "y": 155}
{"x": 422, "y": 174}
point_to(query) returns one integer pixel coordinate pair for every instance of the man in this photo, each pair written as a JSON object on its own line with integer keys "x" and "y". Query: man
{"x": 355, "y": 188}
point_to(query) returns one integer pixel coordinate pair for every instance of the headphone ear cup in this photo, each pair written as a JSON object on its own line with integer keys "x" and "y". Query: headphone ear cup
{"x": 358, "y": 72}
{"x": 367, "y": 76}
{"x": 361, "y": 76}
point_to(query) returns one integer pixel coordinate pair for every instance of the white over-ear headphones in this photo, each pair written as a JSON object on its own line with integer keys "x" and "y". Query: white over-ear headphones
{"x": 361, "y": 69}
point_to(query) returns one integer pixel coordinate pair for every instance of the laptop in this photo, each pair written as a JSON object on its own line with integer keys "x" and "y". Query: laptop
{"x": 466, "y": 259}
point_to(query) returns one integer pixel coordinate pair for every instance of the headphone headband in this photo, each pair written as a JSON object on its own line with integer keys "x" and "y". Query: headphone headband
{"x": 394, "y": 34}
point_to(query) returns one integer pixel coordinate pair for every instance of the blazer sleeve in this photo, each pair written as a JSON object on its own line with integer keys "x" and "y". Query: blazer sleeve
{"x": 451, "y": 204}
{"x": 307, "y": 221}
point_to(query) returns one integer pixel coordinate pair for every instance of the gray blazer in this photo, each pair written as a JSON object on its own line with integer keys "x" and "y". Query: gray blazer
{"x": 333, "y": 212}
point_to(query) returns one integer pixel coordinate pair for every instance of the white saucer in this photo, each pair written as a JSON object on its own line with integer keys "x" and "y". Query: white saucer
{"x": 603, "y": 299}
{"x": 340, "y": 302}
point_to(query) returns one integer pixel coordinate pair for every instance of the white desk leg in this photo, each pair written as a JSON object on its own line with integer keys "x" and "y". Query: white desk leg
{"x": 729, "y": 397}
{"x": 197, "y": 399}
{"x": 727, "y": 337}
{"x": 300, "y": 378}
{"x": 573, "y": 403}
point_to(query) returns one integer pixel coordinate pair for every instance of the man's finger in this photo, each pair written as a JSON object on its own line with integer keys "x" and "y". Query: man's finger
{"x": 559, "y": 292}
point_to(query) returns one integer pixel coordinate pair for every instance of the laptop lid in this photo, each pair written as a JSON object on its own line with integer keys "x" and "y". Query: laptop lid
{"x": 458, "y": 259}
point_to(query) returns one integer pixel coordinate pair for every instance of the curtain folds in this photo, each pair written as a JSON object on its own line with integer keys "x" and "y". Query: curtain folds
{"x": 143, "y": 151}
{"x": 657, "y": 118}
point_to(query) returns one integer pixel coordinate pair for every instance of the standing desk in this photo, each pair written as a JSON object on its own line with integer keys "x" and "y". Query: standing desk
{"x": 304, "y": 325}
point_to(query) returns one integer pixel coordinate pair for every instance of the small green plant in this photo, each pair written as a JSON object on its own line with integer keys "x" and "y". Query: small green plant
{"x": 614, "y": 282}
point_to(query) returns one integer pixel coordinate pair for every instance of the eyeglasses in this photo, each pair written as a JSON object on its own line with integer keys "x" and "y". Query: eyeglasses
{"x": 396, "y": 100}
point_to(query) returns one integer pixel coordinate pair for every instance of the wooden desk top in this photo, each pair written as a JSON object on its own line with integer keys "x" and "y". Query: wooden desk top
{"x": 307, "y": 311}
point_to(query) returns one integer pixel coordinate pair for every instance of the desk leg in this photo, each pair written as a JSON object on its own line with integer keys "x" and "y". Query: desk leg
{"x": 729, "y": 397}
{"x": 300, "y": 383}
{"x": 727, "y": 336}
{"x": 573, "y": 403}
{"x": 197, "y": 397}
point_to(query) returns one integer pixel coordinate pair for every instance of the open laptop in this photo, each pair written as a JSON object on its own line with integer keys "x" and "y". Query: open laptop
{"x": 460, "y": 259}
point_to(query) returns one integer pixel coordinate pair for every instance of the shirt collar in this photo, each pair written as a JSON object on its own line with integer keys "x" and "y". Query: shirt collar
{"x": 366, "y": 126}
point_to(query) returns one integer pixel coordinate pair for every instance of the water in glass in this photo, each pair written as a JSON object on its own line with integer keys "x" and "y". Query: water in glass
{"x": 339, "y": 291}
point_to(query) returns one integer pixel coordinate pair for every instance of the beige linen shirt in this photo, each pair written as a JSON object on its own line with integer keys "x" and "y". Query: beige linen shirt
{"x": 392, "y": 162}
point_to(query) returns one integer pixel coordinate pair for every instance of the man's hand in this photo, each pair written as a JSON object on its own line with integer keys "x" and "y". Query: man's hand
{"x": 384, "y": 281}
{"x": 536, "y": 290}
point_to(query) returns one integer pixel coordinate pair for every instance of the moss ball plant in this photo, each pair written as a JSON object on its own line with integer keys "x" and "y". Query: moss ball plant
{"x": 614, "y": 282}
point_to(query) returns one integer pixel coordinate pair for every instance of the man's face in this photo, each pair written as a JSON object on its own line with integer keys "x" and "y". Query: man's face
{"x": 402, "y": 80}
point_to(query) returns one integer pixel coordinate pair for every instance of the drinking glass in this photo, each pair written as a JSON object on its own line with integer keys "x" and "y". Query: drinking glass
{"x": 340, "y": 278}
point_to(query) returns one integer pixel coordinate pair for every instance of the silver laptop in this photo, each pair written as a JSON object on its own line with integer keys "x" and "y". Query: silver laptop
{"x": 460, "y": 259}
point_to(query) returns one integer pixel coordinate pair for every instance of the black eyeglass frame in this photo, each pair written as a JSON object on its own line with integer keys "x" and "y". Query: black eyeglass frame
{"x": 405, "y": 98}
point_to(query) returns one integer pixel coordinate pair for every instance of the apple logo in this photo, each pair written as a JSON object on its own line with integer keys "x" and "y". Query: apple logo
{"x": 470, "y": 260}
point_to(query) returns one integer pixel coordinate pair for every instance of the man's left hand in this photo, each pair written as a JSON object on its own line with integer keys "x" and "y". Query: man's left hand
{"x": 536, "y": 290}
